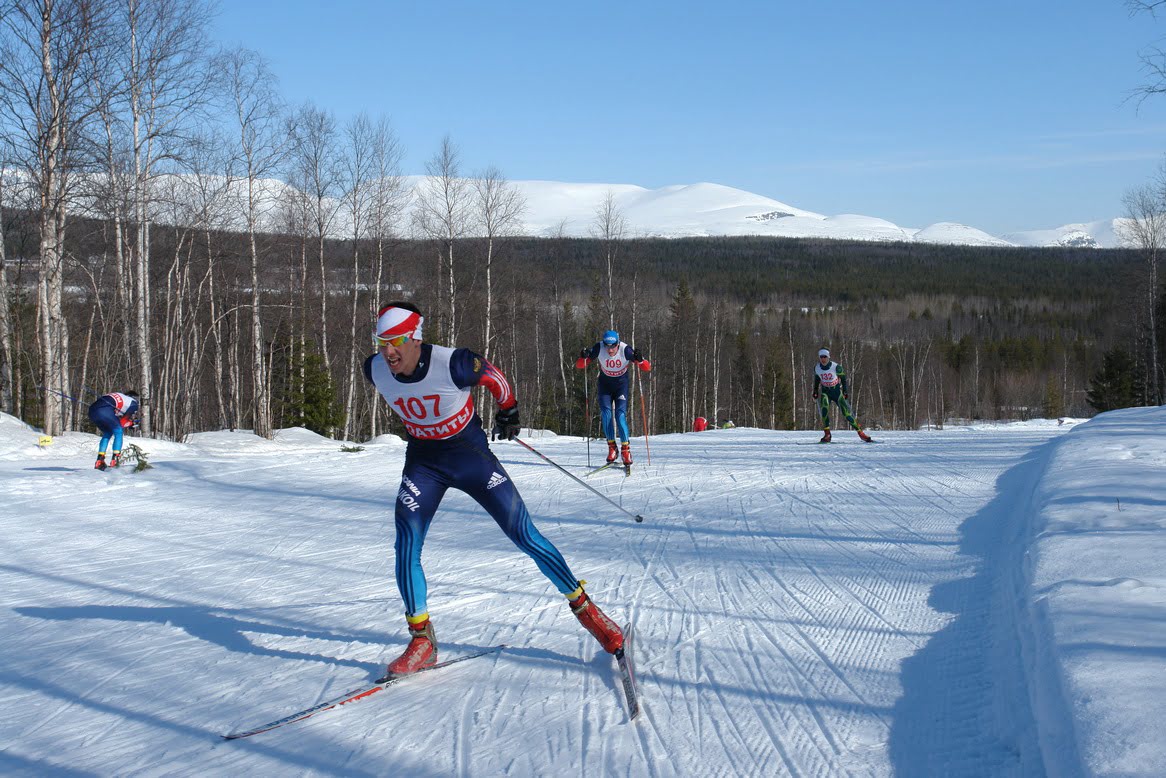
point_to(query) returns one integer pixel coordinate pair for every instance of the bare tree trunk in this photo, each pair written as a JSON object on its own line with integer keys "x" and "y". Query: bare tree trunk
{"x": 7, "y": 374}
{"x": 236, "y": 380}
{"x": 609, "y": 226}
{"x": 716, "y": 361}
{"x": 259, "y": 382}
{"x": 793, "y": 380}
{"x": 316, "y": 161}
{"x": 216, "y": 333}
{"x": 499, "y": 209}
{"x": 260, "y": 148}
{"x": 442, "y": 214}
{"x": 359, "y": 170}
{"x": 323, "y": 305}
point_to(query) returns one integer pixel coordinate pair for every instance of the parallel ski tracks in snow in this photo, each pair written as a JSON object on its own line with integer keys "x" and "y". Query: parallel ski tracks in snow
{"x": 782, "y": 596}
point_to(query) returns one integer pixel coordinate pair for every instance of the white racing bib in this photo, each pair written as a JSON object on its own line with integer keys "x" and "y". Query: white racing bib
{"x": 432, "y": 408}
{"x": 616, "y": 366}
{"x": 827, "y": 375}
{"x": 120, "y": 402}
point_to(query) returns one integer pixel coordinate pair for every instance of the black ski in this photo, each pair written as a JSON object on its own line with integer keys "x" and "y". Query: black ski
{"x": 623, "y": 657}
{"x": 355, "y": 694}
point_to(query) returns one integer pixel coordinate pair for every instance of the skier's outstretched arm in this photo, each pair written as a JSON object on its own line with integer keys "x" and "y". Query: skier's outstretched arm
{"x": 586, "y": 356}
{"x": 641, "y": 361}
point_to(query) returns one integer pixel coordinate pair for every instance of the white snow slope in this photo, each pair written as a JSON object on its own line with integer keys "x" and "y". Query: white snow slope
{"x": 799, "y": 609}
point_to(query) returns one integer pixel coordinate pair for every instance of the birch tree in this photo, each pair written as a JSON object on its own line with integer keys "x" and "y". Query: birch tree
{"x": 46, "y": 51}
{"x": 167, "y": 84}
{"x": 609, "y": 227}
{"x": 258, "y": 121}
{"x": 315, "y": 154}
{"x": 498, "y": 208}
{"x": 388, "y": 198}
{"x": 1145, "y": 229}
{"x": 358, "y": 174}
{"x": 442, "y": 214}
{"x": 1154, "y": 58}
{"x": 7, "y": 375}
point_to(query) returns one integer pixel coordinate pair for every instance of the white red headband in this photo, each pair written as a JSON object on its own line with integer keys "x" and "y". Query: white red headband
{"x": 394, "y": 322}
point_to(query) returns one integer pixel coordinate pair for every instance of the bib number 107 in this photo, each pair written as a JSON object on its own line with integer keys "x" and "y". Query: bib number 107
{"x": 414, "y": 408}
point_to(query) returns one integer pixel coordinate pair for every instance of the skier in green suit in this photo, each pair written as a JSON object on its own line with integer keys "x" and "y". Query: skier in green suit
{"x": 830, "y": 385}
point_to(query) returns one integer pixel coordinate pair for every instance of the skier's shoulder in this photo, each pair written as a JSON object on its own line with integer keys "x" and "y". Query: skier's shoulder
{"x": 466, "y": 367}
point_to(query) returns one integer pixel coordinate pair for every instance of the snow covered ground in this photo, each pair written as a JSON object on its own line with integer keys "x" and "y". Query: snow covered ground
{"x": 799, "y": 609}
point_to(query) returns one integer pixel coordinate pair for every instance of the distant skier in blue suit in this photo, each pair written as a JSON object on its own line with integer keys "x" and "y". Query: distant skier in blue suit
{"x": 113, "y": 413}
{"x": 613, "y": 391}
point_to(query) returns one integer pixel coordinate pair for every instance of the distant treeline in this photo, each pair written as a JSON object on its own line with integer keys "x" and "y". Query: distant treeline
{"x": 732, "y": 325}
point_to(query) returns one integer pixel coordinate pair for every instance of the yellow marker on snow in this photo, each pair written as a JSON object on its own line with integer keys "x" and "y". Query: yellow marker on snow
{"x": 45, "y": 440}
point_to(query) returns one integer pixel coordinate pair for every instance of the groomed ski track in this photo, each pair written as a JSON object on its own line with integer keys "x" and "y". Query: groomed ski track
{"x": 800, "y": 610}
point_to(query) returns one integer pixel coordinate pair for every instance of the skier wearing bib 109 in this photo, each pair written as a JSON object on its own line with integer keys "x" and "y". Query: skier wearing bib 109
{"x": 830, "y": 385}
{"x": 614, "y": 357}
{"x": 113, "y": 413}
{"x": 429, "y": 388}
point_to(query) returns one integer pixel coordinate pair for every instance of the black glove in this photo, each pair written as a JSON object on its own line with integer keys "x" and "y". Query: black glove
{"x": 584, "y": 353}
{"x": 637, "y": 356}
{"x": 506, "y": 424}
{"x": 814, "y": 395}
{"x": 845, "y": 396}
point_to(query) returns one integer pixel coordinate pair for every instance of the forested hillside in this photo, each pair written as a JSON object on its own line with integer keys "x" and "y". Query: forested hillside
{"x": 732, "y": 325}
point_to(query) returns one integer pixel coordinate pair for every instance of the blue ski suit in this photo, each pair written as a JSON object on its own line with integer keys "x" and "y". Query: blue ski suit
{"x": 614, "y": 385}
{"x": 448, "y": 448}
{"x": 111, "y": 413}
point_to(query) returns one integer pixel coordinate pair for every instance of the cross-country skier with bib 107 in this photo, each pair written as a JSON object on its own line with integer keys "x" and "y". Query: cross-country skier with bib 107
{"x": 112, "y": 413}
{"x": 614, "y": 357}
{"x": 429, "y": 388}
{"x": 830, "y": 385}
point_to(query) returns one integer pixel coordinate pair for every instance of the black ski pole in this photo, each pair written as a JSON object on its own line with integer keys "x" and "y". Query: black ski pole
{"x": 533, "y": 450}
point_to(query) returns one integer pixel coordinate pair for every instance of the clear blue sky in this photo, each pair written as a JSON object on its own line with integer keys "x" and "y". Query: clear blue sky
{"x": 1001, "y": 115}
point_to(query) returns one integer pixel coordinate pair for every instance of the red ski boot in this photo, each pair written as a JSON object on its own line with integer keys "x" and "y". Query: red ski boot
{"x": 611, "y": 451}
{"x": 865, "y": 438}
{"x": 116, "y": 460}
{"x": 596, "y": 622}
{"x": 100, "y": 463}
{"x": 421, "y": 651}
{"x": 626, "y": 451}
{"x": 825, "y": 436}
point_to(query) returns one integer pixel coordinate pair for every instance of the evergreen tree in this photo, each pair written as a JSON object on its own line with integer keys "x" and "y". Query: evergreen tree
{"x": 1116, "y": 384}
{"x": 1054, "y": 403}
{"x": 317, "y": 406}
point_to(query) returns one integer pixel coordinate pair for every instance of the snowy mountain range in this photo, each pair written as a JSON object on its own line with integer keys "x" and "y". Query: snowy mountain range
{"x": 713, "y": 210}
{"x": 556, "y": 208}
